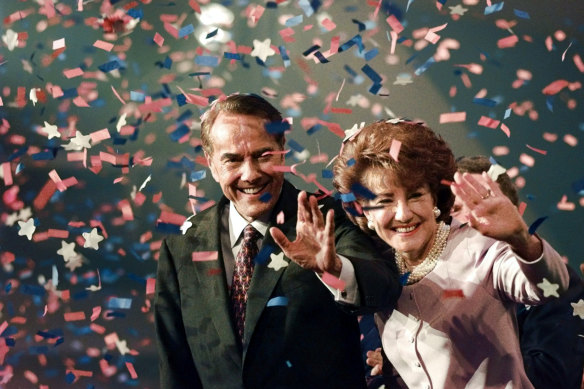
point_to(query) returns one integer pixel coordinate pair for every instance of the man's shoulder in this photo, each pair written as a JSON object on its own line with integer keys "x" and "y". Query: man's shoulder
{"x": 202, "y": 222}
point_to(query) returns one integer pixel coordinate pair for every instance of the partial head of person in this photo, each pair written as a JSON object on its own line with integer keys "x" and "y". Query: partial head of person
{"x": 410, "y": 194}
{"x": 242, "y": 154}
{"x": 476, "y": 165}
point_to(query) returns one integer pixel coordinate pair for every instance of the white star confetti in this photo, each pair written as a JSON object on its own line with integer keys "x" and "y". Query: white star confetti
{"x": 27, "y": 228}
{"x": 458, "y": 10}
{"x": 74, "y": 263}
{"x": 10, "y": 39}
{"x": 578, "y": 308}
{"x": 548, "y": 288}
{"x": 67, "y": 250}
{"x": 121, "y": 122}
{"x": 92, "y": 239}
{"x": 262, "y": 49}
{"x": 51, "y": 130}
{"x": 79, "y": 142}
{"x": 277, "y": 261}
{"x": 32, "y": 96}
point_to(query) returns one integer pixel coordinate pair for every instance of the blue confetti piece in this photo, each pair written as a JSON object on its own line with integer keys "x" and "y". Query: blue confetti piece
{"x": 578, "y": 186}
{"x": 372, "y": 74}
{"x": 425, "y": 66}
{"x": 494, "y": 8}
{"x": 18, "y": 153}
{"x": 284, "y": 55}
{"x": 351, "y": 162}
{"x": 235, "y": 56}
{"x": 184, "y": 116}
{"x": 8, "y": 287}
{"x": 288, "y": 363}
{"x": 181, "y": 131}
{"x": 321, "y": 58}
{"x": 403, "y": 279}
{"x": 306, "y": 7}
{"x": 313, "y": 129}
{"x": 34, "y": 290}
{"x": 119, "y": 303}
{"x": 327, "y": 173}
{"x": 167, "y": 64}
{"x": 264, "y": 253}
{"x": 371, "y": 54}
{"x": 521, "y": 14}
{"x": 266, "y": 197}
{"x": 137, "y": 96}
{"x": 181, "y": 99}
{"x": 109, "y": 66}
{"x": 507, "y": 113}
{"x": 356, "y": 40}
{"x": 136, "y": 13}
{"x": 207, "y": 60}
{"x": 212, "y": 33}
{"x": 167, "y": 228}
{"x": 198, "y": 175}
{"x": 549, "y": 102}
{"x": 295, "y": 145}
{"x": 409, "y": 3}
{"x": 69, "y": 378}
{"x": 277, "y": 127}
{"x": 375, "y": 88}
{"x": 186, "y": 30}
{"x": 361, "y": 25}
{"x": 294, "y": 21}
{"x": 69, "y": 93}
{"x": 310, "y": 50}
{"x": 278, "y": 301}
{"x": 348, "y": 197}
{"x": 362, "y": 191}
{"x": 484, "y": 101}
{"x": 38, "y": 350}
{"x": 535, "y": 225}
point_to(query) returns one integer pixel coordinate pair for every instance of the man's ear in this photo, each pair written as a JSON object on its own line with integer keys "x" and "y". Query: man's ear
{"x": 212, "y": 166}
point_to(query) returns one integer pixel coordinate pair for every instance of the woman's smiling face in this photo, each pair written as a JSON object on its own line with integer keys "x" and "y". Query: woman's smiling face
{"x": 403, "y": 218}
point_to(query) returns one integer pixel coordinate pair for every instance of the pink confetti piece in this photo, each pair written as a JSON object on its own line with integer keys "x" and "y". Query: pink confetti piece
{"x": 333, "y": 281}
{"x": 195, "y": 6}
{"x": 565, "y": 205}
{"x": 72, "y": 73}
{"x": 488, "y": 122}
{"x": 452, "y": 117}
{"x": 57, "y": 180}
{"x": 527, "y": 160}
{"x": 506, "y": 130}
{"x": 107, "y": 46}
{"x": 328, "y": 24}
{"x": 7, "y": 171}
{"x": 282, "y": 168}
{"x": 74, "y": 316}
{"x": 171, "y": 218}
{"x": 118, "y": 95}
{"x": 48, "y": 9}
{"x": 80, "y": 102}
{"x": 571, "y": 140}
{"x": 394, "y": 24}
{"x": 522, "y": 207}
{"x": 394, "y": 36}
{"x": 555, "y": 87}
{"x": 99, "y": 135}
{"x": 394, "y": 149}
{"x": 543, "y": 152}
{"x": 150, "y": 285}
{"x": 54, "y": 233}
{"x": 203, "y": 256}
{"x": 431, "y": 35}
{"x": 507, "y": 42}
{"x": 158, "y": 39}
{"x": 95, "y": 313}
{"x": 44, "y": 195}
{"x": 131, "y": 370}
{"x": 578, "y": 62}
{"x": 280, "y": 217}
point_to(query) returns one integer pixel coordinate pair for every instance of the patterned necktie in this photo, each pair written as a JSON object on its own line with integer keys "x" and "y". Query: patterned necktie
{"x": 242, "y": 275}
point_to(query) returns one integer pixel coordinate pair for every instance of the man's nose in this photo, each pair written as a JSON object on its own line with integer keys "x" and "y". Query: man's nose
{"x": 250, "y": 170}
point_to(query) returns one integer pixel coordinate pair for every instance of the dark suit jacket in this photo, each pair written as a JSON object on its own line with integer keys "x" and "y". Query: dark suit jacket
{"x": 310, "y": 341}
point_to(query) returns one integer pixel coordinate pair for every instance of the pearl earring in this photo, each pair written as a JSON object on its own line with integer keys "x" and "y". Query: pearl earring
{"x": 437, "y": 212}
{"x": 370, "y": 224}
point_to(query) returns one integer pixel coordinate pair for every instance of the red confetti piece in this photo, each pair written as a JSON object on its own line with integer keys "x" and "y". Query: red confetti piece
{"x": 44, "y": 195}
{"x": 450, "y": 293}
{"x": 62, "y": 234}
{"x": 536, "y": 150}
{"x": 452, "y": 117}
{"x": 150, "y": 285}
{"x": 394, "y": 24}
{"x": 509, "y": 41}
{"x": 74, "y": 316}
{"x": 202, "y": 256}
{"x": 6, "y": 170}
{"x": 333, "y": 281}
{"x": 131, "y": 369}
{"x": 565, "y": 205}
{"x": 522, "y": 207}
{"x": 555, "y": 87}
{"x": 394, "y": 149}
{"x": 488, "y": 122}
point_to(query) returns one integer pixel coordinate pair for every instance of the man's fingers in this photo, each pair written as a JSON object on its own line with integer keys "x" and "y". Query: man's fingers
{"x": 280, "y": 239}
{"x": 304, "y": 214}
{"x": 317, "y": 217}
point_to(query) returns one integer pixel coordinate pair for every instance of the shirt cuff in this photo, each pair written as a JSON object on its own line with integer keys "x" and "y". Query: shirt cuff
{"x": 350, "y": 293}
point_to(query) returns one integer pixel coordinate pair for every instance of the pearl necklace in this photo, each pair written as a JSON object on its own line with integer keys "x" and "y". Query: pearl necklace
{"x": 425, "y": 267}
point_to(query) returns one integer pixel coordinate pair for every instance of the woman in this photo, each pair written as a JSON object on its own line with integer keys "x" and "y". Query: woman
{"x": 454, "y": 325}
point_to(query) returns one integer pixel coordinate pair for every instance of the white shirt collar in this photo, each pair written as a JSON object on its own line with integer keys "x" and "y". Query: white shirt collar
{"x": 237, "y": 223}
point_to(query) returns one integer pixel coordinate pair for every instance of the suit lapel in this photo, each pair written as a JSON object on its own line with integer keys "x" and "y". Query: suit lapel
{"x": 211, "y": 280}
{"x": 265, "y": 278}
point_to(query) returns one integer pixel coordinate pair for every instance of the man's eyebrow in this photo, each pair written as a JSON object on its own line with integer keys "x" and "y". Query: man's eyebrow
{"x": 230, "y": 156}
{"x": 262, "y": 152}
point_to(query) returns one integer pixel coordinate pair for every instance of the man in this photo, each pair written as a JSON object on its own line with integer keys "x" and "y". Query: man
{"x": 550, "y": 334}
{"x": 221, "y": 324}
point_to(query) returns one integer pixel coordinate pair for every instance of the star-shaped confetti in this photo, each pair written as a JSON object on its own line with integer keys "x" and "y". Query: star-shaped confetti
{"x": 67, "y": 250}
{"x": 403, "y": 79}
{"x": 277, "y": 261}
{"x": 92, "y": 239}
{"x": 11, "y": 219}
{"x": 353, "y": 131}
{"x": 122, "y": 347}
{"x": 51, "y": 130}
{"x": 79, "y": 142}
{"x": 548, "y": 288}
{"x": 74, "y": 263}
{"x": 578, "y": 308}
{"x": 10, "y": 39}
{"x": 262, "y": 49}
{"x": 27, "y": 228}
{"x": 458, "y": 10}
